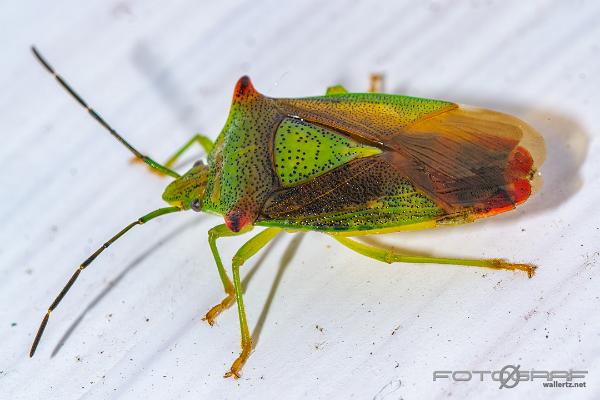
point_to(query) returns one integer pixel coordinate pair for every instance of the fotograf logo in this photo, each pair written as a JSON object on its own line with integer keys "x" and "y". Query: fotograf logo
{"x": 510, "y": 376}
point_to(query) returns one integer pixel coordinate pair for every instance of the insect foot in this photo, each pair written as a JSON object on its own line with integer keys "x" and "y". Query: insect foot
{"x": 219, "y": 308}
{"x": 236, "y": 367}
{"x": 503, "y": 264}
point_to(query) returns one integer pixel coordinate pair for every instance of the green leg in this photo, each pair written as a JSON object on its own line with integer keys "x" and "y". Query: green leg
{"x": 215, "y": 233}
{"x": 250, "y": 248}
{"x": 389, "y": 256}
{"x": 161, "y": 170}
{"x": 337, "y": 89}
{"x": 204, "y": 141}
{"x": 375, "y": 86}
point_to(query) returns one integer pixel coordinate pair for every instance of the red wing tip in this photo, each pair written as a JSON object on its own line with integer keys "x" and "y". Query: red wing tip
{"x": 520, "y": 163}
{"x": 519, "y": 174}
{"x": 520, "y": 191}
{"x": 517, "y": 192}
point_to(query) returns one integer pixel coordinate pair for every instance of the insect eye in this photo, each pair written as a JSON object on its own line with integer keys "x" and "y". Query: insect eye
{"x": 199, "y": 162}
{"x": 196, "y": 205}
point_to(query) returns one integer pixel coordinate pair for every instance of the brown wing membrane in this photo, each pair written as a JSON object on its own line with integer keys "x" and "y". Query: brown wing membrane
{"x": 470, "y": 158}
{"x": 460, "y": 157}
{"x": 345, "y": 188}
{"x": 363, "y": 194}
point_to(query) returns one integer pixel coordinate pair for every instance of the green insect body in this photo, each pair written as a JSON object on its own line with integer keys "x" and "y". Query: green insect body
{"x": 287, "y": 163}
{"x": 345, "y": 164}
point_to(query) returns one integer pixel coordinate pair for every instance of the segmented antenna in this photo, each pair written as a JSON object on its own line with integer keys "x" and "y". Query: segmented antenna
{"x": 153, "y": 164}
{"x": 88, "y": 261}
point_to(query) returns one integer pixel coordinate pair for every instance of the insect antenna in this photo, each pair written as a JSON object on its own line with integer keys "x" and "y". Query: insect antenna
{"x": 87, "y": 262}
{"x": 101, "y": 121}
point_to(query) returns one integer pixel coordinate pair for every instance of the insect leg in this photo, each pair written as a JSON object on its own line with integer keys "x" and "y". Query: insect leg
{"x": 376, "y": 83}
{"x": 204, "y": 141}
{"x": 215, "y": 233}
{"x": 390, "y": 256}
{"x": 250, "y": 248}
{"x": 88, "y": 261}
{"x": 151, "y": 163}
{"x": 336, "y": 89}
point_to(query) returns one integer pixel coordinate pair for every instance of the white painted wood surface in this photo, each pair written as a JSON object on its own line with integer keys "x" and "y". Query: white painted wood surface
{"x": 131, "y": 328}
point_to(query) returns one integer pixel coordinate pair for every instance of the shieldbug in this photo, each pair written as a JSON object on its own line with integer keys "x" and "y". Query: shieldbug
{"x": 345, "y": 164}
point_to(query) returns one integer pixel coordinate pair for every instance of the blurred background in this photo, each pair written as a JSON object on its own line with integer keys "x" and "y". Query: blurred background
{"x": 327, "y": 323}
